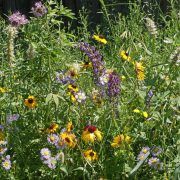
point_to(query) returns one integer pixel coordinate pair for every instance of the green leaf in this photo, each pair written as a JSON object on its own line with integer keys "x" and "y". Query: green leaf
{"x": 56, "y": 99}
{"x": 49, "y": 98}
{"x": 63, "y": 168}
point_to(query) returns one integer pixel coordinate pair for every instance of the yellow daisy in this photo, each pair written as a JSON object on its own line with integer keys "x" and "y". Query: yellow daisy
{"x": 69, "y": 139}
{"x": 30, "y": 102}
{"x": 90, "y": 155}
{"x": 139, "y": 68}
{"x": 69, "y": 126}
{"x": 53, "y": 128}
{"x": 91, "y": 133}
{"x": 125, "y": 55}
{"x": 100, "y": 39}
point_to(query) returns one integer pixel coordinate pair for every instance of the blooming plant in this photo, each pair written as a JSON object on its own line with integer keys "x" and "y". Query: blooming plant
{"x": 79, "y": 105}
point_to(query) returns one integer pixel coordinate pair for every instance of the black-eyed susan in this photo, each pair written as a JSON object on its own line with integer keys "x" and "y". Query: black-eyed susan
{"x": 91, "y": 133}
{"x": 119, "y": 140}
{"x": 125, "y": 55}
{"x": 30, "y": 102}
{"x": 69, "y": 139}
{"x": 90, "y": 155}
{"x": 53, "y": 128}
{"x": 139, "y": 68}
{"x": 100, "y": 39}
{"x": 72, "y": 88}
{"x": 86, "y": 65}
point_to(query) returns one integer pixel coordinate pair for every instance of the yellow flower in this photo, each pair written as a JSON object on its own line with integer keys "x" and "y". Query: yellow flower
{"x": 2, "y": 90}
{"x": 136, "y": 111}
{"x": 100, "y": 39}
{"x": 30, "y": 102}
{"x": 69, "y": 126}
{"x": 72, "y": 88}
{"x": 86, "y": 65}
{"x": 53, "y": 128}
{"x": 127, "y": 139}
{"x": 123, "y": 77}
{"x": 117, "y": 141}
{"x": 91, "y": 133}
{"x": 69, "y": 139}
{"x": 145, "y": 114}
{"x": 1, "y": 135}
{"x": 90, "y": 155}
{"x": 139, "y": 68}
{"x": 125, "y": 56}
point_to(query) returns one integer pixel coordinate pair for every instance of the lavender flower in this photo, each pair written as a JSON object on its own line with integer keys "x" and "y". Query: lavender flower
{"x": 60, "y": 144}
{"x": 45, "y": 154}
{"x": 156, "y": 151}
{"x": 141, "y": 156}
{"x": 17, "y": 19}
{"x": 6, "y": 163}
{"x": 63, "y": 78}
{"x": 80, "y": 97}
{"x": 2, "y": 150}
{"x": 53, "y": 138}
{"x": 144, "y": 150}
{"x": 51, "y": 162}
{"x": 39, "y": 9}
{"x": 11, "y": 118}
{"x": 113, "y": 84}
{"x": 96, "y": 60}
{"x": 155, "y": 163}
{"x": 1, "y": 127}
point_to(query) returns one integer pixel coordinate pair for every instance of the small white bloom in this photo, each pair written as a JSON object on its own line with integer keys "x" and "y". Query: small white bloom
{"x": 80, "y": 97}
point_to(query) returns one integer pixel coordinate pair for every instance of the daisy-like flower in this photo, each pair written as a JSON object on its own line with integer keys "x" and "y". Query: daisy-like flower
{"x": 153, "y": 162}
{"x": 53, "y": 138}
{"x": 39, "y": 9}
{"x": 60, "y": 144}
{"x": 90, "y": 155}
{"x": 156, "y": 151}
{"x": 69, "y": 139}
{"x": 11, "y": 118}
{"x": 30, "y": 102}
{"x": 91, "y": 133}
{"x": 2, "y": 150}
{"x": 119, "y": 140}
{"x": 17, "y": 19}
{"x": 141, "y": 156}
{"x": 72, "y": 88}
{"x": 53, "y": 128}
{"x": 6, "y": 164}
{"x": 144, "y": 150}
{"x": 45, "y": 153}
{"x": 100, "y": 38}
{"x": 74, "y": 70}
{"x": 80, "y": 97}
{"x": 51, "y": 162}
{"x": 104, "y": 79}
{"x": 139, "y": 68}
{"x": 125, "y": 55}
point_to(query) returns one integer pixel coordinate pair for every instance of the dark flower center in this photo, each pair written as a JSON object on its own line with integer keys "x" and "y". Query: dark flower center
{"x": 91, "y": 154}
{"x": 67, "y": 140}
{"x": 90, "y": 128}
{"x": 30, "y": 100}
{"x": 101, "y": 36}
{"x": 126, "y": 53}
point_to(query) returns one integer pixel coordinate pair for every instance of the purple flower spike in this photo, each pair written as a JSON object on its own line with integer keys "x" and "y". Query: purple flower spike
{"x": 113, "y": 85}
{"x": 39, "y": 9}
{"x": 17, "y": 19}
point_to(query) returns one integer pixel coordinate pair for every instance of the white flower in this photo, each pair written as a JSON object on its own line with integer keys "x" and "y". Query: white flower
{"x": 80, "y": 96}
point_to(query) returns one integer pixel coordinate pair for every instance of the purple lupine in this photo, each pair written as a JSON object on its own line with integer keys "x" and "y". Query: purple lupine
{"x": 148, "y": 97}
{"x": 17, "y": 19}
{"x": 156, "y": 151}
{"x": 11, "y": 118}
{"x": 39, "y": 9}
{"x": 113, "y": 85}
{"x": 96, "y": 59}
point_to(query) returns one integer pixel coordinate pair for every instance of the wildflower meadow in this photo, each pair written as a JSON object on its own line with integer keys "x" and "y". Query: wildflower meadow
{"x": 82, "y": 103}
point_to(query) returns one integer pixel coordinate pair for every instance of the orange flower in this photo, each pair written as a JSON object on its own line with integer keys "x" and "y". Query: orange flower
{"x": 30, "y": 102}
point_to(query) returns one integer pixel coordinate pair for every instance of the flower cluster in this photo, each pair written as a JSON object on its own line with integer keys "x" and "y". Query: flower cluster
{"x": 153, "y": 161}
{"x": 143, "y": 113}
{"x": 17, "y": 19}
{"x": 39, "y": 9}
